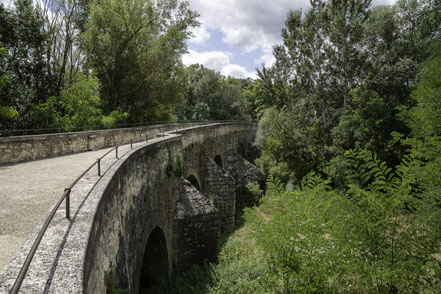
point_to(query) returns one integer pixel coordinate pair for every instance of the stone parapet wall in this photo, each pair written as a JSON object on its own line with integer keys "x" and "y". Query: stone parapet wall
{"x": 24, "y": 148}
{"x": 114, "y": 215}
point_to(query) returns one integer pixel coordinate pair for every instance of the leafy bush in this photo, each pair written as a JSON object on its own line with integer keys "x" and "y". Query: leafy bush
{"x": 113, "y": 119}
{"x": 381, "y": 236}
{"x": 81, "y": 104}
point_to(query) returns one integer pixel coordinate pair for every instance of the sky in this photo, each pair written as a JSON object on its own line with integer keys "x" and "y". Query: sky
{"x": 237, "y": 36}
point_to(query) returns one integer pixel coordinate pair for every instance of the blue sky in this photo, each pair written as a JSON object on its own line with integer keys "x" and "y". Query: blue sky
{"x": 237, "y": 36}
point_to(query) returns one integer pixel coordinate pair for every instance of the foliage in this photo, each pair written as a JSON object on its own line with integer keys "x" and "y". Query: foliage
{"x": 23, "y": 62}
{"x": 246, "y": 196}
{"x": 290, "y": 148}
{"x": 381, "y": 236}
{"x": 208, "y": 95}
{"x": 253, "y": 101}
{"x": 81, "y": 104}
{"x": 241, "y": 266}
{"x": 78, "y": 108}
{"x": 5, "y": 111}
{"x": 196, "y": 280}
{"x": 135, "y": 48}
{"x": 425, "y": 117}
{"x": 341, "y": 76}
{"x": 240, "y": 269}
{"x": 113, "y": 119}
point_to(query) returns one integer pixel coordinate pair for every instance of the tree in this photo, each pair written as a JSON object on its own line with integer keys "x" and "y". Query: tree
{"x": 208, "y": 95}
{"x": 320, "y": 60}
{"x": 30, "y": 80}
{"x": 342, "y": 73}
{"x": 5, "y": 111}
{"x": 135, "y": 49}
{"x": 425, "y": 117}
{"x": 77, "y": 108}
{"x": 63, "y": 23}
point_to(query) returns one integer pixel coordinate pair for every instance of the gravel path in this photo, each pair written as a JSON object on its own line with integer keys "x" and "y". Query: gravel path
{"x": 28, "y": 190}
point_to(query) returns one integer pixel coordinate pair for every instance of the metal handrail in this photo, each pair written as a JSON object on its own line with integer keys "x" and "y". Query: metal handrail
{"x": 66, "y": 195}
{"x": 92, "y": 128}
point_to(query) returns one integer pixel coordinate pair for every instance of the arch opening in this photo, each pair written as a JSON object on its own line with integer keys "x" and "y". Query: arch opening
{"x": 155, "y": 261}
{"x": 194, "y": 181}
{"x": 218, "y": 161}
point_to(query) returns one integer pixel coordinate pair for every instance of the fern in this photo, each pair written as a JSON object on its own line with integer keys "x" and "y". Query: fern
{"x": 274, "y": 185}
{"x": 370, "y": 171}
{"x": 311, "y": 181}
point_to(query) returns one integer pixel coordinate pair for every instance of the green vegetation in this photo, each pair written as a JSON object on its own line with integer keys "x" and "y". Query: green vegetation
{"x": 207, "y": 95}
{"x": 88, "y": 64}
{"x": 343, "y": 75}
{"x": 380, "y": 236}
{"x": 349, "y": 114}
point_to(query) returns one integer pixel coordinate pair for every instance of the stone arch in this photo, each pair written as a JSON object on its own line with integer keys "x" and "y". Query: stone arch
{"x": 155, "y": 260}
{"x": 218, "y": 160}
{"x": 194, "y": 181}
{"x": 241, "y": 150}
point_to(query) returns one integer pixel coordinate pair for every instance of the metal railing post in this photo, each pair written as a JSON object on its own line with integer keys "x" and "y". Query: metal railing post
{"x": 67, "y": 203}
{"x": 147, "y": 138}
{"x": 131, "y": 144}
{"x": 98, "y": 161}
{"x": 116, "y": 153}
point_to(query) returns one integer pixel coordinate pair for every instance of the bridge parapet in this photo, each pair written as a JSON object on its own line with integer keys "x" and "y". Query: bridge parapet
{"x": 114, "y": 215}
{"x": 22, "y": 148}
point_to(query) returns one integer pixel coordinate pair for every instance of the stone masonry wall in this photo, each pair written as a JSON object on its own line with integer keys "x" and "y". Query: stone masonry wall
{"x": 220, "y": 186}
{"x": 116, "y": 213}
{"x": 23, "y": 148}
{"x": 196, "y": 228}
{"x": 139, "y": 197}
{"x": 243, "y": 170}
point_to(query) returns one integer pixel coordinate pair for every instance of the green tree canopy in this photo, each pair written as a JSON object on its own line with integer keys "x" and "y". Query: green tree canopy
{"x": 209, "y": 96}
{"x": 135, "y": 49}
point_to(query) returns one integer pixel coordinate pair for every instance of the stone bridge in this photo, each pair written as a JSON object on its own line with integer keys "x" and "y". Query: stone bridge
{"x": 160, "y": 207}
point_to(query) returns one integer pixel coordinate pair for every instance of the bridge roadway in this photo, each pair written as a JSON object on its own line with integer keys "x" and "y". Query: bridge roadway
{"x": 29, "y": 190}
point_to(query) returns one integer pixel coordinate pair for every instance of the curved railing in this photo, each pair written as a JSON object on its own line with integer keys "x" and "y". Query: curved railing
{"x": 65, "y": 196}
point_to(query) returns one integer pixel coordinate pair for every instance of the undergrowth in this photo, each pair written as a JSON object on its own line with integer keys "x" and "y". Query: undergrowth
{"x": 382, "y": 235}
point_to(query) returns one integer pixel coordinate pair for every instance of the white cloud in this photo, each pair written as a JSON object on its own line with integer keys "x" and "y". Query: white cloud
{"x": 219, "y": 61}
{"x": 247, "y": 24}
{"x": 383, "y": 2}
{"x": 216, "y": 60}
{"x": 7, "y": 3}
{"x": 201, "y": 35}
{"x": 266, "y": 59}
{"x": 237, "y": 71}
